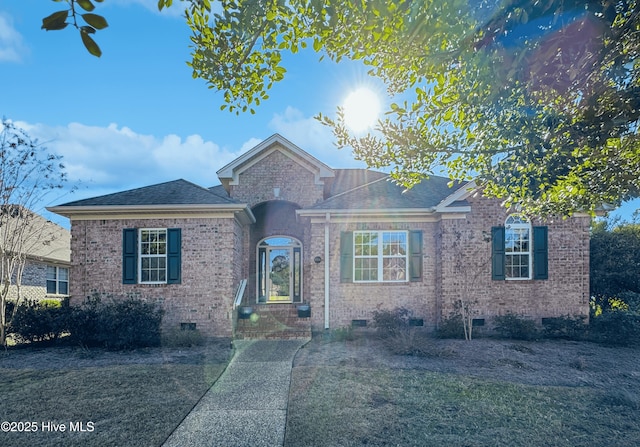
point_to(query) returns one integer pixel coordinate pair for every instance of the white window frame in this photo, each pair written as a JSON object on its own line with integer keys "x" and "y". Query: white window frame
{"x": 515, "y": 224}
{"x": 380, "y": 256}
{"x": 56, "y": 279}
{"x": 142, "y": 255}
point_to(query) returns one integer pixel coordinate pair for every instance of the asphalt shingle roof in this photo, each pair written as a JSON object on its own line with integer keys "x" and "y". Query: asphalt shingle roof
{"x": 348, "y": 179}
{"x": 383, "y": 193}
{"x": 42, "y": 239}
{"x": 177, "y": 192}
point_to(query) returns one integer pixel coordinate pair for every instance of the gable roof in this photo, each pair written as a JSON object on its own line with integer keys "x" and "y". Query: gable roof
{"x": 176, "y": 192}
{"x": 346, "y": 191}
{"x": 177, "y": 196}
{"x": 276, "y": 142}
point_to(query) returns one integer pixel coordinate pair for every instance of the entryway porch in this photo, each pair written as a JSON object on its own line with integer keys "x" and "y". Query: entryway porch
{"x": 272, "y": 321}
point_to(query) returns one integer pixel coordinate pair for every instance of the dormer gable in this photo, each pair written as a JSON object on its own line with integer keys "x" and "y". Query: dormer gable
{"x": 229, "y": 174}
{"x": 276, "y": 169}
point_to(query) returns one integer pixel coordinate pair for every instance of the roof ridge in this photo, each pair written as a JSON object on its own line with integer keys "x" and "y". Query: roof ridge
{"x": 340, "y": 194}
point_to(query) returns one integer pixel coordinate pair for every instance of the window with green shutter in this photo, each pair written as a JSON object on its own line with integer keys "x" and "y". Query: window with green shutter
{"x": 151, "y": 256}
{"x": 381, "y": 256}
{"x": 519, "y": 251}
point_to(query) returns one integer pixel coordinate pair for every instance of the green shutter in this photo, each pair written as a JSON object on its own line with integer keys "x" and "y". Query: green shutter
{"x": 129, "y": 255}
{"x": 540, "y": 253}
{"x": 346, "y": 256}
{"x": 174, "y": 256}
{"x": 415, "y": 252}
{"x": 497, "y": 253}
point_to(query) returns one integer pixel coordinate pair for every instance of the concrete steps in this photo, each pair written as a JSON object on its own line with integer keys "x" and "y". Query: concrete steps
{"x": 273, "y": 321}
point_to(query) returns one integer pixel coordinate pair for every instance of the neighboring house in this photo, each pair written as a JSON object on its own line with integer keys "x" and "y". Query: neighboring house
{"x": 347, "y": 242}
{"x": 48, "y": 256}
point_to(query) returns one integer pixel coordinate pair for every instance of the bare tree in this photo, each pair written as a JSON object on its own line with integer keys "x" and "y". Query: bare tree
{"x": 472, "y": 254}
{"x": 28, "y": 174}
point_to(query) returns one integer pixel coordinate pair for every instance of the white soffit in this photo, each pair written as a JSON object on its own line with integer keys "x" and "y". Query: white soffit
{"x": 460, "y": 194}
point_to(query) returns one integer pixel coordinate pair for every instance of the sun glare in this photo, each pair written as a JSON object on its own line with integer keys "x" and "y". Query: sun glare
{"x": 361, "y": 109}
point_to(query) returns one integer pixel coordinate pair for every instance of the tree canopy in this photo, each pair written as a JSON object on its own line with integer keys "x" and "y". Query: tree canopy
{"x": 537, "y": 100}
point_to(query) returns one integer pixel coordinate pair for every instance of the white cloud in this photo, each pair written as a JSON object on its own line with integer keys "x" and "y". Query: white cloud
{"x": 115, "y": 158}
{"x": 110, "y": 159}
{"x": 250, "y": 144}
{"x": 12, "y": 46}
{"x": 314, "y": 137}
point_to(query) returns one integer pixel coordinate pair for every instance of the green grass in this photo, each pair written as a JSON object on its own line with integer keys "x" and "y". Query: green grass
{"x": 345, "y": 406}
{"x": 130, "y": 405}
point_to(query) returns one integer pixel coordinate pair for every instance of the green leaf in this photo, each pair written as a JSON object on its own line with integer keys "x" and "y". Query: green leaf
{"x": 95, "y": 20}
{"x": 86, "y": 5}
{"x": 90, "y": 44}
{"x": 55, "y": 21}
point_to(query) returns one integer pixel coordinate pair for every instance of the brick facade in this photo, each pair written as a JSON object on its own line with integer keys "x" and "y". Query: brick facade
{"x": 211, "y": 269}
{"x": 217, "y": 253}
{"x": 466, "y": 267}
{"x": 456, "y": 265}
{"x": 294, "y": 182}
{"x": 358, "y": 301}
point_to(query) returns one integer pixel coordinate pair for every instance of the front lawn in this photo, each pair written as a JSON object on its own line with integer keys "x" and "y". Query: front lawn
{"x": 99, "y": 398}
{"x": 346, "y": 406}
{"x": 483, "y": 393}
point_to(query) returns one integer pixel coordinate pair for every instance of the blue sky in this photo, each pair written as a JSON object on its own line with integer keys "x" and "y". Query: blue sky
{"x": 135, "y": 116}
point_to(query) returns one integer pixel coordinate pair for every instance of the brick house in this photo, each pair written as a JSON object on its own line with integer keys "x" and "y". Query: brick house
{"x": 284, "y": 229}
{"x": 47, "y": 260}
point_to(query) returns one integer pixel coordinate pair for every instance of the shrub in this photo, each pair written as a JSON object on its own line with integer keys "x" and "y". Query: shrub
{"x": 414, "y": 342}
{"x": 48, "y": 302}
{"x": 39, "y": 321}
{"x": 343, "y": 334}
{"x": 391, "y": 322}
{"x": 451, "y": 327}
{"x": 179, "y": 338}
{"x": 616, "y": 328}
{"x": 399, "y": 336}
{"x": 567, "y": 327}
{"x": 123, "y": 324}
{"x": 515, "y": 327}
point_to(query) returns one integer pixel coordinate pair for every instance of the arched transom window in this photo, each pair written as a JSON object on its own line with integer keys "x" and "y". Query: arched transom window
{"x": 517, "y": 246}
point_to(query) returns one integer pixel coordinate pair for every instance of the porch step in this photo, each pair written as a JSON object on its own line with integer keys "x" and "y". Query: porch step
{"x": 273, "y": 321}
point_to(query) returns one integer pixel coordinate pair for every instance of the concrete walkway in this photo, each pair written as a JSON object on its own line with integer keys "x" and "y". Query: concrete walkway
{"x": 247, "y": 406}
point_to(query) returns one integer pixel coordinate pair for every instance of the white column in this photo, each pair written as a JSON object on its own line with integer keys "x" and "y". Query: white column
{"x": 326, "y": 270}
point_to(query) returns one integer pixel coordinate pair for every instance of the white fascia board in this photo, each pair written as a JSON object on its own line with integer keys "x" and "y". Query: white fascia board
{"x": 242, "y": 211}
{"x": 395, "y": 212}
{"x": 460, "y": 194}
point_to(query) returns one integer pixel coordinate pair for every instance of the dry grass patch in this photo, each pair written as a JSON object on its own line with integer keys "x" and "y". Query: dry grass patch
{"x": 132, "y": 399}
{"x": 482, "y": 393}
{"x": 346, "y": 406}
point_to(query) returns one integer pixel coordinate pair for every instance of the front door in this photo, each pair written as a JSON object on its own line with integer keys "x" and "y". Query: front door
{"x": 279, "y": 270}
